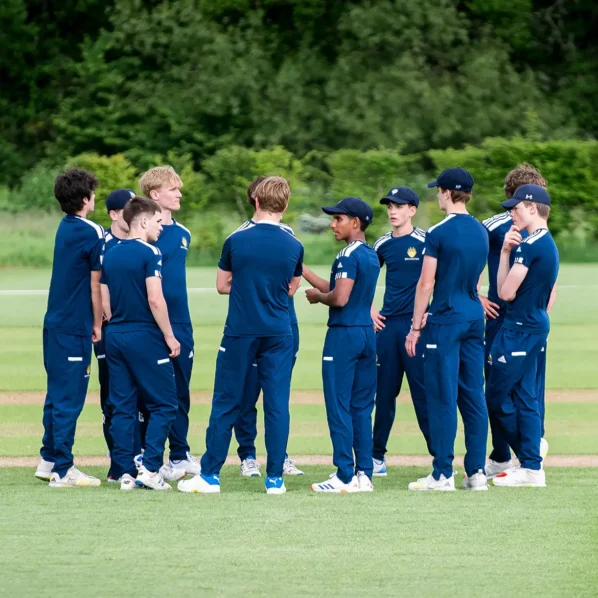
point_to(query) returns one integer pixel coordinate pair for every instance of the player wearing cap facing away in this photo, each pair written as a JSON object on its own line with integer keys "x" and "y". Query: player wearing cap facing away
{"x": 454, "y": 258}
{"x": 498, "y": 226}
{"x": 115, "y": 202}
{"x": 402, "y": 252}
{"x": 245, "y": 427}
{"x": 140, "y": 347}
{"x": 349, "y": 356}
{"x": 259, "y": 268}
{"x": 526, "y": 280}
{"x": 72, "y": 321}
{"x": 163, "y": 185}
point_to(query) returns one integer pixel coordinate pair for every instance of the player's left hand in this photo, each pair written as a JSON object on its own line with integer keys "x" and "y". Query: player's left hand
{"x": 313, "y": 295}
{"x": 411, "y": 343}
{"x": 96, "y": 334}
{"x": 491, "y": 309}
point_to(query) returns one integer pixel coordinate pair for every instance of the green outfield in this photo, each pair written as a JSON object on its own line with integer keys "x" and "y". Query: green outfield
{"x": 88, "y": 542}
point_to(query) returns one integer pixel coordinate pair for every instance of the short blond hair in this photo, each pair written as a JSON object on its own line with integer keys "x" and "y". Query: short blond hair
{"x": 543, "y": 209}
{"x": 157, "y": 177}
{"x": 273, "y": 194}
{"x": 523, "y": 174}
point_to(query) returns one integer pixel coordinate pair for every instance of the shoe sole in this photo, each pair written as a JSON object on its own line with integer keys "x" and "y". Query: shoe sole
{"x": 55, "y": 485}
{"x": 251, "y": 475}
{"x": 380, "y": 475}
{"x": 145, "y": 487}
{"x": 43, "y": 477}
{"x": 479, "y": 489}
{"x": 292, "y": 474}
{"x": 196, "y": 491}
{"x": 432, "y": 489}
{"x": 276, "y": 491}
{"x": 518, "y": 485}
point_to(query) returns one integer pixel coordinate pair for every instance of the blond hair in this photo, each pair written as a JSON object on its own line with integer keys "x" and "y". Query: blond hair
{"x": 523, "y": 174}
{"x": 273, "y": 194}
{"x": 543, "y": 209}
{"x": 158, "y": 177}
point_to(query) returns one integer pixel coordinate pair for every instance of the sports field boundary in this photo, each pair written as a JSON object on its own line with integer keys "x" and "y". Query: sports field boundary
{"x": 393, "y": 461}
{"x": 298, "y": 397}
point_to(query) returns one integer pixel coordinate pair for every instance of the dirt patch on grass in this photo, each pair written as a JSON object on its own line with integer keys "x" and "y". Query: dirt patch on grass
{"x": 402, "y": 461}
{"x": 299, "y": 397}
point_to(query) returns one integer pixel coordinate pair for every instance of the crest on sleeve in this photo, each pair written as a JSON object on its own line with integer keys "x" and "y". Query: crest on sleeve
{"x": 184, "y": 242}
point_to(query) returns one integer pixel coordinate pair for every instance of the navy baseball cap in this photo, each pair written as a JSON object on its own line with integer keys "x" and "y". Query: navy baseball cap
{"x": 119, "y": 198}
{"x": 533, "y": 193}
{"x": 457, "y": 179}
{"x": 352, "y": 206}
{"x": 401, "y": 195}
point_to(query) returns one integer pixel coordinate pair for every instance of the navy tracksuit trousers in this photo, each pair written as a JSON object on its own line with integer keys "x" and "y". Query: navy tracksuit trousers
{"x": 511, "y": 392}
{"x": 138, "y": 362}
{"x": 453, "y": 375}
{"x": 67, "y": 361}
{"x": 500, "y": 447}
{"x": 349, "y": 377}
{"x": 236, "y": 356}
{"x": 393, "y": 363}
{"x": 246, "y": 426}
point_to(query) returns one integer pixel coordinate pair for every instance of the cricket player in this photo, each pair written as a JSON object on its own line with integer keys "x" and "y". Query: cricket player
{"x": 402, "y": 252}
{"x": 140, "y": 347}
{"x": 245, "y": 427}
{"x": 349, "y": 356}
{"x": 498, "y": 226}
{"x": 115, "y": 202}
{"x": 526, "y": 281}
{"x": 260, "y": 267}
{"x": 163, "y": 185}
{"x": 454, "y": 257}
{"x": 73, "y": 320}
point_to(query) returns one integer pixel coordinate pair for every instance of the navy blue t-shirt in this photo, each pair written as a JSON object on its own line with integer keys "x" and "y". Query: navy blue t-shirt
{"x": 173, "y": 243}
{"x": 77, "y": 252}
{"x": 263, "y": 258}
{"x": 527, "y": 311}
{"x": 125, "y": 269}
{"x": 110, "y": 240}
{"x": 497, "y": 226}
{"x": 460, "y": 244}
{"x": 403, "y": 257}
{"x": 292, "y": 312}
{"x": 358, "y": 262}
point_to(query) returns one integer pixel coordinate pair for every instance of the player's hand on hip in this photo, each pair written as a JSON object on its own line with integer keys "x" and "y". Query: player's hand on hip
{"x": 173, "y": 345}
{"x": 491, "y": 309}
{"x": 411, "y": 343}
{"x": 313, "y": 295}
{"x": 378, "y": 319}
{"x": 512, "y": 238}
{"x": 96, "y": 334}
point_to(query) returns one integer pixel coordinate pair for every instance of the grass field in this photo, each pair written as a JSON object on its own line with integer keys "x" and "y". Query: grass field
{"x": 101, "y": 542}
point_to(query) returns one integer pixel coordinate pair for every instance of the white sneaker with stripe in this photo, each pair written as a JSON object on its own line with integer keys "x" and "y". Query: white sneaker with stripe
{"x": 334, "y": 485}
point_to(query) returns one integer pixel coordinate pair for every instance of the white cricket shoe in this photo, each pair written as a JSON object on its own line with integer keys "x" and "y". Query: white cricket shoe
{"x": 544, "y": 446}
{"x": 521, "y": 477}
{"x": 333, "y": 484}
{"x": 201, "y": 484}
{"x": 380, "y": 470}
{"x": 365, "y": 484}
{"x": 432, "y": 485}
{"x": 151, "y": 480}
{"x": 478, "y": 482}
{"x": 44, "y": 470}
{"x": 127, "y": 482}
{"x": 171, "y": 474}
{"x": 493, "y": 468}
{"x": 250, "y": 468}
{"x": 73, "y": 478}
{"x": 190, "y": 465}
{"x": 289, "y": 468}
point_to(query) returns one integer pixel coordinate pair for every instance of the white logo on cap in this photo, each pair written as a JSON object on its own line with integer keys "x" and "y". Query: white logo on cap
{"x": 367, "y": 217}
{"x": 529, "y": 197}
{"x": 394, "y": 191}
{"x": 457, "y": 186}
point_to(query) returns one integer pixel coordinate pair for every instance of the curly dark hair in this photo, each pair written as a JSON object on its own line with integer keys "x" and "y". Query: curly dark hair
{"x": 523, "y": 174}
{"x": 72, "y": 187}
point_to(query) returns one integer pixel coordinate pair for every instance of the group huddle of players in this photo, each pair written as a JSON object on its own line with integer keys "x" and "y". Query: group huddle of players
{"x": 125, "y": 290}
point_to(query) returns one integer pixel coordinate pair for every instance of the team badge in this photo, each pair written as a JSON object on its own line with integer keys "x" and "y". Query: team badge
{"x": 89, "y": 369}
{"x": 412, "y": 252}
{"x": 184, "y": 242}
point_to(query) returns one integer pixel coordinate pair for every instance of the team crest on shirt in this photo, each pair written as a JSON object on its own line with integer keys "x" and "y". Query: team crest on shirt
{"x": 184, "y": 242}
{"x": 411, "y": 254}
{"x": 88, "y": 371}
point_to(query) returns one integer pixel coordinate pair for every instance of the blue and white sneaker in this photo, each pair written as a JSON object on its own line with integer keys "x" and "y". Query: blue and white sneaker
{"x": 334, "y": 485}
{"x": 201, "y": 484}
{"x": 275, "y": 485}
{"x": 138, "y": 460}
{"x": 250, "y": 468}
{"x": 379, "y": 468}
